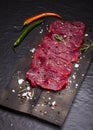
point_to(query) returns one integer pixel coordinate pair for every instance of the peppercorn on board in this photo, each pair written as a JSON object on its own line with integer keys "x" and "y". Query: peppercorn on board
{"x": 48, "y": 105}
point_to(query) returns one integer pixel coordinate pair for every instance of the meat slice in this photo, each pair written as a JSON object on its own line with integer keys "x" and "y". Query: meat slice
{"x": 73, "y": 32}
{"x": 67, "y": 28}
{"x": 53, "y": 57}
{"x": 51, "y": 61}
{"x": 68, "y": 52}
{"x": 46, "y": 78}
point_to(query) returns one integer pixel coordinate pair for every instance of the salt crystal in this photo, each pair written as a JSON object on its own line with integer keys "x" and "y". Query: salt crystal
{"x": 49, "y": 98}
{"x": 42, "y": 105}
{"x": 24, "y": 94}
{"x": 41, "y": 31}
{"x": 86, "y": 35}
{"x": 76, "y": 85}
{"x": 20, "y": 81}
{"x": 82, "y": 74}
{"x": 32, "y": 105}
{"x": 32, "y": 50}
{"x": 43, "y": 97}
{"x": 11, "y": 124}
{"x": 27, "y": 95}
{"x": 52, "y": 108}
{"x": 38, "y": 105}
{"x": 70, "y": 81}
{"x": 35, "y": 109}
{"x": 45, "y": 112}
{"x": 49, "y": 103}
{"x": 80, "y": 57}
{"x": 13, "y": 91}
{"x": 74, "y": 76}
{"x": 53, "y": 103}
{"x": 76, "y": 65}
{"x": 28, "y": 88}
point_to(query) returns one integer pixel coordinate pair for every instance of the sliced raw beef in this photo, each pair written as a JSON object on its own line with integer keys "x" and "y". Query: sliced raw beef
{"x": 67, "y": 28}
{"x": 68, "y": 52}
{"x": 46, "y": 78}
{"x": 53, "y": 57}
{"x": 51, "y": 61}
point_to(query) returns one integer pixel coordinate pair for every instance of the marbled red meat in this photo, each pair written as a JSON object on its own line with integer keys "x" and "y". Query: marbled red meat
{"x": 62, "y": 50}
{"x": 53, "y": 58}
{"x": 46, "y": 78}
{"x": 51, "y": 61}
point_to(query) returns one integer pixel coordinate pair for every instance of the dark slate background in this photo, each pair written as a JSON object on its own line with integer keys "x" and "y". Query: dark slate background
{"x": 13, "y": 13}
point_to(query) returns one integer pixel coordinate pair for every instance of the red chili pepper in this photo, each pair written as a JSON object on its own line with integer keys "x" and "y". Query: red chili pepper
{"x": 36, "y": 17}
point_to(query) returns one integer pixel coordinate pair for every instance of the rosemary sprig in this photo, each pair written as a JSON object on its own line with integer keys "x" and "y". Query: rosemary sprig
{"x": 87, "y": 44}
{"x": 59, "y": 38}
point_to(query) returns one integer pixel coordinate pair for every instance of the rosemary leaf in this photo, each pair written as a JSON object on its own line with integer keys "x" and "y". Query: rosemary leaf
{"x": 59, "y": 38}
{"x": 87, "y": 44}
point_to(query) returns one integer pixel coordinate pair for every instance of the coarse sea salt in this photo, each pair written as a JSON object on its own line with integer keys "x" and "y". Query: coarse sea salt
{"x": 82, "y": 74}
{"x": 32, "y": 50}
{"x": 74, "y": 76}
{"x": 11, "y": 124}
{"x": 49, "y": 98}
{"x": 76, "y": 85}
{"x": 76, "y": 65}
{"x": 20, "y": 81}
{"x": 41, "y": 31}
{"x": 28, "y": 88}
{"x": 53, "y": 103}
{"x": 28, "y": 95}
{"x": 13, "y": 90}
{"x": 86, "y": 35}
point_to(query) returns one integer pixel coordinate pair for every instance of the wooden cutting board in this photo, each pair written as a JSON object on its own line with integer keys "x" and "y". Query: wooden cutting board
{"x": 50, "y": 106}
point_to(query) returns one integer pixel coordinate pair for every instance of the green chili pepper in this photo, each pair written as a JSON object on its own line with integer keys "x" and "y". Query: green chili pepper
{"x": 26, "y": 31}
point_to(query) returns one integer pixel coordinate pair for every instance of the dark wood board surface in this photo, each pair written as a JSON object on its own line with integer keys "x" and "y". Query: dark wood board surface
{"x": 45, "y": 104}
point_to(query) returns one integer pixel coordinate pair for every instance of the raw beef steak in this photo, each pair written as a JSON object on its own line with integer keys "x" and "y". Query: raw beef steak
{"x": 53, "y": 57}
